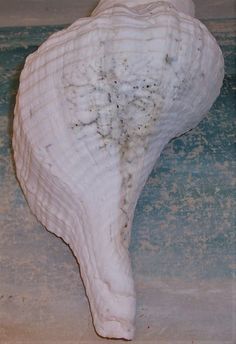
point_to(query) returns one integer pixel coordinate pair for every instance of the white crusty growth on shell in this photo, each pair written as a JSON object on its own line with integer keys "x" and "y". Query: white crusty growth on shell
{"x": 96, "y": 105}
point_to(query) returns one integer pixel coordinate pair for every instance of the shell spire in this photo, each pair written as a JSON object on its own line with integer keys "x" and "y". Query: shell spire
{"x": 97, "y": 103}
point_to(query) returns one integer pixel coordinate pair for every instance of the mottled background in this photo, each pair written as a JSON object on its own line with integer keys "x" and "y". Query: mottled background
{"x": 183, "y": 240}
{"x": 44, "y": 12}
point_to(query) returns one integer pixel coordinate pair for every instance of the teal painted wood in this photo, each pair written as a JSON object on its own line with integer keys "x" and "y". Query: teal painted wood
{"x": 184, "y": 221}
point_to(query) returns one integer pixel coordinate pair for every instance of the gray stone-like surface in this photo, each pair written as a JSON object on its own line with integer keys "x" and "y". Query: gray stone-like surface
{"x": 51, "y": 12}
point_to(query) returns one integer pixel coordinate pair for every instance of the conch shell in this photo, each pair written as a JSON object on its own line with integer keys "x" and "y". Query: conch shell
{"x": 96, "y": 105}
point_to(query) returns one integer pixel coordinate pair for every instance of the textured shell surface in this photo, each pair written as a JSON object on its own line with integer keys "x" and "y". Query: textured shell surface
{"x": 96, "y": 105}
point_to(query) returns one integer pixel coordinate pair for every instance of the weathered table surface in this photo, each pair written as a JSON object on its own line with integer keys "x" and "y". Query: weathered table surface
{"x": 183, "y": 240}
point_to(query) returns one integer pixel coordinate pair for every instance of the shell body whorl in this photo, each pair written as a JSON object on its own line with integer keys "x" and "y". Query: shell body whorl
{"x": 96, "y": 105}
{"x": 185, "y": 6}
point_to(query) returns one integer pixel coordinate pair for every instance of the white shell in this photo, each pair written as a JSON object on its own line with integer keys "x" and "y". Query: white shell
{"x": 96, "y": 105}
